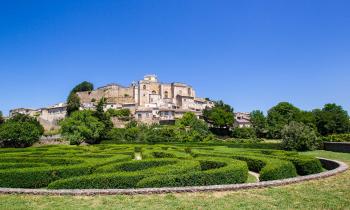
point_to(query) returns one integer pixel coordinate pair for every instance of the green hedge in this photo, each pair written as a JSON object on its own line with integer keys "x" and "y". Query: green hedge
{"x": 337, "y": 138}
{"x": 105, "y": 180}
{"x": 111, "y": 166}
{"x": 233, "y": 172}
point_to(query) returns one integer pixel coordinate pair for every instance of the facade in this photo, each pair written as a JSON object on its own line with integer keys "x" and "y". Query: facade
{"x": 48, "y": 117}
{"x": 242, "y": 120}
{"x": 149, "y": 100}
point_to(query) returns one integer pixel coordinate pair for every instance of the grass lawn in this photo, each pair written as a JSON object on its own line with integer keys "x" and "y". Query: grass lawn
{"x": 329, "y": 193}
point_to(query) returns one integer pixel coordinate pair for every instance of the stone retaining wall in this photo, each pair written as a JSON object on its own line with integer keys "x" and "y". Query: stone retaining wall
{"x": 340, "y": 167}
{"x": 337, "y": 146}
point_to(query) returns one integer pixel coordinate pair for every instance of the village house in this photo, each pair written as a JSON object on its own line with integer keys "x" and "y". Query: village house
{"x": 149, "y": 101}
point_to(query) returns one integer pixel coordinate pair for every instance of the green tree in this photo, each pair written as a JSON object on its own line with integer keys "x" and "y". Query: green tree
{"x": 279, "y": 116}
{"x": 73, "y": 100}
{"x": 220, "y": 116}
{"x": 19, "y": 134}
{"x": 73, "y": 103}
{"x": 104, "y": 117}
{"x": 308, "y": 118}
{"x": 1, "y": 118}
{"x": 332, "y": 119}
{"x": 190, "y": 122}
{"x": 26, "y": 118}
{"x": 259, "y": 123}
{"x": 298, "y": 136}
{"x": 82, "y": 126}
{"x": 244, "y": 133}
{"x": 120, "y": 113}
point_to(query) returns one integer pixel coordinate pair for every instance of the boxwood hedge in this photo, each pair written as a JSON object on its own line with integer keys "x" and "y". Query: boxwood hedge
{"x": 115, "y": 166}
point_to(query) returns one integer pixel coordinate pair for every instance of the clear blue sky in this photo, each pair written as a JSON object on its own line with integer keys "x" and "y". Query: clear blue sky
{"x": 251, "y": 54}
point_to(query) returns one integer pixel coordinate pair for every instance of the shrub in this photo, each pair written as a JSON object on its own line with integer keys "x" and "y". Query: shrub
{"x": 244, "y": 133}
{"x": 337, "y": 138}
{"x": 82, "y": 126}
{"x": 234, "y": 172}
{"x": 297, "y": 136}
{"x": 26, "y": 118}
{"x": 19, "y": 134}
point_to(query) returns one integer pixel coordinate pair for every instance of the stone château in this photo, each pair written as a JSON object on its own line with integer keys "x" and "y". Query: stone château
{"x": 149, "y": 100}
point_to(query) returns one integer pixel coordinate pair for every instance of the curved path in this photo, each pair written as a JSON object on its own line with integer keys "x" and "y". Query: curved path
{"x": 337, "y": 165}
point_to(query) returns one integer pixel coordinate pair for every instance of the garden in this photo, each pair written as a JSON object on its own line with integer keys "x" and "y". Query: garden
{"x": 108, "y": 166}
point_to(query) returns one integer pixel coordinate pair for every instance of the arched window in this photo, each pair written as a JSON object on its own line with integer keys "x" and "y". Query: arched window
{"x": 144, "y": 87}
{"x": 154, "y": 92}
{"x": 166, "y": 94}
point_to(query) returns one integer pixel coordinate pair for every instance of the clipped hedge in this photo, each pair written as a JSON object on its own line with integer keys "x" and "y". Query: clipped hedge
{"x": 223, "y": 172}
{"x": 103, "y": 180}
{"x": 115, "y": 166}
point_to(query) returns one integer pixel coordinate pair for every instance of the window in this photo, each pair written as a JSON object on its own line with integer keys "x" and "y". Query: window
{"x": 166, "y": 94}
{"x": 154, "y": 92}
{"x": 144, "y": 87}
{"x": 139, "y": 116}
{"x": 147, "y": 114}
{"x": 189, "y": 91}
{"x": 180, "y": 92}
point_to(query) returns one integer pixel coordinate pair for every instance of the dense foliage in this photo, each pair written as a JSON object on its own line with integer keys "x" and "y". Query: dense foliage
{"x": 123, "y": 114}
{"x": 187, "y": 129}
{"x": 221, "y": 117}
{"x": 345, "y": 137}
{"x": 29, "y": 119}
{"x": 18, "y": 134}
{"x": 82, "y": 126}
{"x": 20, "y": 131}
{"x": 259, "y": 123}
{"x": 298, "y": 136}
{"x": 279, "y": 116}
{"x": 113, "y": 166}
{"x": 332, "y": 119}
{"x": 244, "y": 133}
{"x": 2, "y": 120}
{"x": 73, "y": 101}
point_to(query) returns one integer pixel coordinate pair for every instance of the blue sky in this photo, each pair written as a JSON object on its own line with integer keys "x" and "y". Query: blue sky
{"x": 251, "y": 54}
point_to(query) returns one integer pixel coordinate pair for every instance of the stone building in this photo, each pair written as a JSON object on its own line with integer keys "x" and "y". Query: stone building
{"x": 242, "y": 120}
{"x": 149, "y": 100}
{"x": 48, "y": 117}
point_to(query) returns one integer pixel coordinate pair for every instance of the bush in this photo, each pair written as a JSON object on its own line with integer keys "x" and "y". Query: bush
{"x": 268, "y": 168}
{"x": 82, "y": 126}
{"x": 19, "y": 134}
{"x": 232, "y": 172}
{"x": 337, "y": 138}
{"x": 26, "y": 118}
{"x": 297, "y": 136}
{"x": 244, "y": 133}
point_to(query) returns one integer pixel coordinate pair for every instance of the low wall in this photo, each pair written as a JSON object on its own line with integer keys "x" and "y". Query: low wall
{"x": 337, "y": 146}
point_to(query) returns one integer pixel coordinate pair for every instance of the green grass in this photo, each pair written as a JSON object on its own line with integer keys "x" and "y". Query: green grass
{"x": 328, "y": 193}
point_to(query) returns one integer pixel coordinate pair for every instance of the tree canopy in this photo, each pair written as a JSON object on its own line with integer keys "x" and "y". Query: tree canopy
{"x": 1, "y": 118}
{"x": 19, "y": 134}
{"x": 259, "y": 123}
{"x": 298, "y": 136}
{"x": 332, "y": 119}
{"x": 221, "y": 115}
{"x": 82, "y": 126}
{"x": 73, "y": 100}
{"x": 26, "y": 118}
{"x": 279, "y": 116}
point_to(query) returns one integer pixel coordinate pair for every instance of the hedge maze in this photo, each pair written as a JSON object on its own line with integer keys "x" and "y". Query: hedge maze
{"x": 108, "y": 166}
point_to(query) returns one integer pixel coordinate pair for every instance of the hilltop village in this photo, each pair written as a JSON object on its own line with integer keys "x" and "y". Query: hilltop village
{"x": 149, "y": 101}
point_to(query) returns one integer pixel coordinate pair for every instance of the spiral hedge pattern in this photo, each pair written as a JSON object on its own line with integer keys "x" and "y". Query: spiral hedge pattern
{"x": 112, "y": 166}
